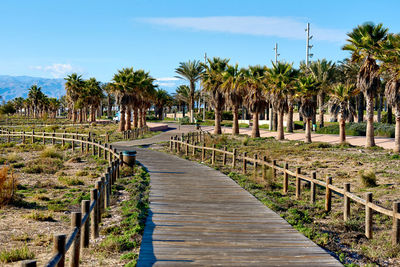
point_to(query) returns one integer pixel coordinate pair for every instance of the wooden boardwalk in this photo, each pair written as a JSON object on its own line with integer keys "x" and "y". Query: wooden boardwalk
{"x": 201, "y": 217}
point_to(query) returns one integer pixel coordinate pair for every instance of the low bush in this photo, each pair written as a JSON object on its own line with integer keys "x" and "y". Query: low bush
{"x": 41, "y": 216}
{"x": 368, "y": 178}
{"x": 360, "y": 129}
{"x": 70, "y": 180}
{"x": 45, "y": 165}
{"x": 13, "y": 157}
{"x": 7, "y": 186}
{"x": 16, "y": 254}
{"x": 50, "y": 152}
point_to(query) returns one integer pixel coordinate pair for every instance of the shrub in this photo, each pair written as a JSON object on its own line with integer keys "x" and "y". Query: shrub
{"x": 227, "y": 115}
{"x": 368, "y": 178}
{"x": 41, "y": 216}
{"x": 45, "y": 165}
{"x": 50, "y": 152}
{"x": 16, "y": 254}
{"x": 245, "y": 140}
{"x": 185, "y": 120}
{"x": 360, "y": 129}
{"x": 243, "y": 125}
{"x": 82, "y": 173}
{"x": 13, "y": 157}
{"x": 7, "y": 186}
{"x": 70, "y": 180}
{"x": 18, "y": 165}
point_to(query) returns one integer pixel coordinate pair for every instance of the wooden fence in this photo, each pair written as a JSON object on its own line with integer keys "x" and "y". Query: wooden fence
{"x": 84, "y": 224}
{"x": 195, "y": 142}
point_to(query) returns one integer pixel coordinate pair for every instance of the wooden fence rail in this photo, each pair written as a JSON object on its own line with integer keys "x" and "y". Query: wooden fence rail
{"x": 88, "y": 225}
{"x": 178, "y": 143}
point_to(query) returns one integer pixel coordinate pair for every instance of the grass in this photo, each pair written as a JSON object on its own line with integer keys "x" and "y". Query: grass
{"x": 368, "y": 178}
{"x": 70, "y": 180}
{"x": 126, "y": 235}
{"x": 41, "y": 216}
{"x": 45, "y": 165}
{"x": 50, "y": 152}
{"x": 16, "y": 254}
{"x": 360, "y": 129}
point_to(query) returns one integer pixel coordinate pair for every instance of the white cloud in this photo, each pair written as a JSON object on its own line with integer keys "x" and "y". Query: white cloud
{"x": 283, "y": 27}
{"x": 167, "y": 81}
{"x": 57, "y": 70}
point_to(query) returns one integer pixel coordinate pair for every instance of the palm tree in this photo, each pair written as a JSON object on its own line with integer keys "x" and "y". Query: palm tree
{"x": 190, "y": 71}
{"x": 73, "y": 86}
{"x": 35, "y": 94}
{"x": 160, "y": 101}
{"x": 341, "y": 103}
{"x": 255, "y": 82}
{"x": 212, "y": 83}
{"x": 307, "y": 89}
{"x": 107, "y": 87}
{"x": 94, "y": 95}
{"x": 391, "y": 64}
{"x": 18, "y": 103}
{"x": 322, "y": 71}
{"x": 281, "y": 80}
{"x": 54, "y": 105}
{"x": 364, "y": 43}
{"x": 122, "y": 85}
{"x": 182, "y": 95}
{"x": 233, "y": 89}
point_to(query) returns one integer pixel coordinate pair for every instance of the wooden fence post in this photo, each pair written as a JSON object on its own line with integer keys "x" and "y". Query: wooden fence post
{"x": 105, "y": 151}
{"x": 187, "y": 148}
{"x": 76, "y": 219}
{"x": 234, "y": 158}
{"x": 298, "y": 192}
{"x": 87, "y": 145}
{"x": 73, "y": 144}
{"x": 28, "y": 263}
{"x": 328, "y": 195}
{"x": 107, "y": 138}
{"x": 244, "y": 162}
{"x": 171, "y": 143}
{"x": 93, "y": 216}
{"x": 224, "y": 157}
{"x": 346, "y": 202}
{"x": 273, "y": 168}
{"x": 53, "y": 141}
{"x": 85, "y": 235}
{"x": 203, "y": 152}
{"x": 285, "y": 179}
{"x": 99, "y": 149}
{"x": 59, "y": 248}
{"x": 33, "y": 138}
{"x": 213, "y": 155}
{"x": 179, "y": 146}
{"x": 312, "y": 188}
{"x": 62, "y": 139}
{"x": 194, "y": 149}
{"x": 44, "y": 140}
{"x": 255, "y": 165}
{"x": 264, "y": 168}
{"x": 396, "y": 224}
{"x": 102, "y": 195}
{"x": 23, "y": 137}
{"x": 368, "y": 215}
{"x": 82, "y": 146}
{"x": 107, "y": 191}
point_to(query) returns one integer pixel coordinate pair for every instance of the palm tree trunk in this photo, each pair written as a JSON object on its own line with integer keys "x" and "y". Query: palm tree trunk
{"x": 141, "y": 120}
{"x": 360, "y": 111}
{"x": 308, "y": 130}
{"x": 389, "y": 114}
{"x": 370, "y": 142}
{"x": 217, "y": 127}
{"x": 289, "y": 121}
{"x": 342, "y": 129}
{"x": 122, "y": 119}
{"x": 255, "y": 131}
{"x": 109, "y": 106}
{"x": 281, "y": 135}
{"x": 397, "y": 132}
{"x": 235, "y": 127}
{"x": 80, "y": 115}
{"x": 144, "y": 117}
{"x": 321, "y": 109}
{"x": 135, "y": 117}
{"x": 128, "y": 119}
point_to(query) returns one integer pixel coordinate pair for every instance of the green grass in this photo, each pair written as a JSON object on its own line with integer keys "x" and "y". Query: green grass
{"x": 16, "y": 254}
{"x": 51, "y": 152}
{"x": 70, "y": 180}
{"x": 360, "y": 129}
{"x": 41, "y": 216}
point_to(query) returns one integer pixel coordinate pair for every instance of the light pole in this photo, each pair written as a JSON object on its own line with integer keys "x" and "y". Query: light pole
{"x": 308, "y": 46}
{"x": 276, "y": 53}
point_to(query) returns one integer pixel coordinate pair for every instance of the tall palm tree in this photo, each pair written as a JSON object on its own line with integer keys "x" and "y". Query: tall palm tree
{"x": 35, "y": 94}
{"x": 190, "y": 71}
{"x": 391, "y": 64}
{"x": 182, "y": 95}
{"x": 74, "y": 85}
{"x": 160, "y": 101}
{"x": 107, "y": 87}
{"x": 364, "y": 43}
{"x": 323, "y": 72}
{"x": 122, "y": 85}
{"x": 255, "y": 82}
{"x": 212, "y": 84}
{"x": 234, "y": 90}
{"x": 341, "y": 103}
{"x": 94, "y": 95}
{"x": 281, "y": 79}
{"x": 307, "y": 89}
{"x": 18, "y": 103}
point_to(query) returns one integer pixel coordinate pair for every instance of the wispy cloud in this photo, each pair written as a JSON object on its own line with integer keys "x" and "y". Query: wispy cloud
{"x": 283, "y": 27}
{"x": 167, "y": 81}
{"x": 57, "y": 70}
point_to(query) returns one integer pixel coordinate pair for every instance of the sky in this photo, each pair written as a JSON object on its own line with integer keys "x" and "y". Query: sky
{"x": 51, "y": 39}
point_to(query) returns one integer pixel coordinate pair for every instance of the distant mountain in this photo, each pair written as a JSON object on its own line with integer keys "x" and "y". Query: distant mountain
{"x": 15, "y": 86}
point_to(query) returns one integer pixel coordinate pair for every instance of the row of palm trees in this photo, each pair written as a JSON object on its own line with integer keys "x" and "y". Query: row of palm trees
{"x": 375, "y": 59}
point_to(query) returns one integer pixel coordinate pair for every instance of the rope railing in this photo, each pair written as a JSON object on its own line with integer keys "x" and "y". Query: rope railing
{"x": 92, "y": 210}
{"x": 196, "y": 142}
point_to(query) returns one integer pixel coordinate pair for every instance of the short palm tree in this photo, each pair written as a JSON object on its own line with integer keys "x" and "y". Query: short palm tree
{"x": 182, "y": 95}
{"x": 281, "y": 80}
{"x": 364, "y": 43}
{"x": 212, "y": 84}
{"x": 36, "y": 95}
{"x": 73, "y": 86}
{"x": 255, "y": 82}
{"x": 323, "y": 72}
{"x": 161, "y": 99}
{"x": 94, "y": 96}
{"x": 122, "y": 85}
{"x": 307, "y": 89}
{"x": 341, "y": 104}
{"x": 190, "y": 71}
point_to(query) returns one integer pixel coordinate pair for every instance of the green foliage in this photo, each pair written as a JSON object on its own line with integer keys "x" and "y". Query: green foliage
{"x": 227, "y": 115}
{"x": 50, "y": 152}
{"x": 7, "y": 108}
{"x": 82, "y": 173}
{"x": 185, "y": 121}
{"x": 70, "y": 180}
{"x": 368, "y": 178}
{"x": 16, "y": 254}
{"x": 45, "y": 165}
{"x": 41, "y": 216}
{"x": 18, "y": 165}
{"x": 360, "y": 129}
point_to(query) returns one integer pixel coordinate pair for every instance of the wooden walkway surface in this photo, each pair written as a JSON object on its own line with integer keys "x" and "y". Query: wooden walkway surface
{"x": 200, "y": 217}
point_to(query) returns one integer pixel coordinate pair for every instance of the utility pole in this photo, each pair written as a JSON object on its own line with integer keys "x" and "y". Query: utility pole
{"x": 204, "y": 95}
{"x": 276, "y": 53}
{"x": 308, "y": 46}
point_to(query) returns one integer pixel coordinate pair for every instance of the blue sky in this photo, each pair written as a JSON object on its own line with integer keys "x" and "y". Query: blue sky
{"x": 95, "y": 38}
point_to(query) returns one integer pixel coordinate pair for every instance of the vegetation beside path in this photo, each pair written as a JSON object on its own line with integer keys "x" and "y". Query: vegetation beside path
{"x": 363, "y": 168}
